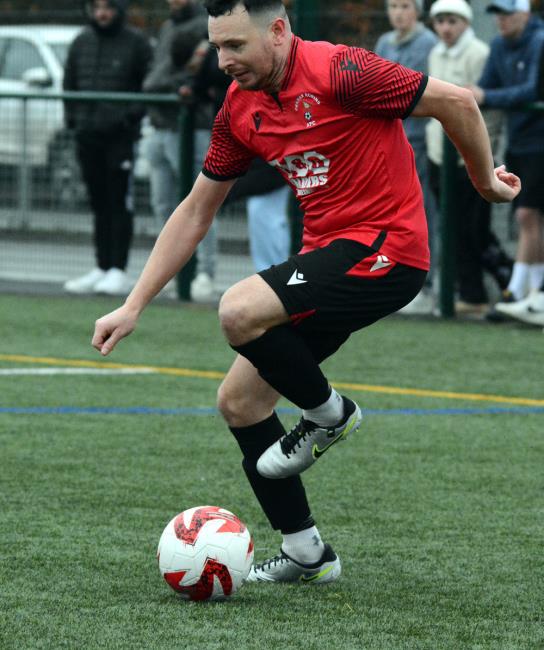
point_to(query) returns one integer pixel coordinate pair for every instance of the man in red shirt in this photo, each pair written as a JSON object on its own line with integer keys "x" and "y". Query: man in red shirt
{"x": 328, "y": 118}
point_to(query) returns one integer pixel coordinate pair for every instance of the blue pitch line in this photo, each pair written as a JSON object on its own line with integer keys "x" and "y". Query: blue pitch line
{"x": 147, "y": 410}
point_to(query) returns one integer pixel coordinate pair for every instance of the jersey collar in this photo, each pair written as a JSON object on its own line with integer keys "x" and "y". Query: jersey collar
{"x": 290, "y": 62}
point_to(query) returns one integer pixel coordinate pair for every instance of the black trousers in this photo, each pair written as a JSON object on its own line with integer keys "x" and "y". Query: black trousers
{"x": 106, "y": 162}
{"x": 477, "y": 247}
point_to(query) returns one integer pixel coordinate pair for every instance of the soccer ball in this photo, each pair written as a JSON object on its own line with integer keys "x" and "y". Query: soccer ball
{"x": 205, "y": 553}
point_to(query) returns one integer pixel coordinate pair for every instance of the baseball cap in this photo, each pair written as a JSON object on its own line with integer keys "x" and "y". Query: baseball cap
{"x": 456, "y": 7}
{"x": 508, "y": 6}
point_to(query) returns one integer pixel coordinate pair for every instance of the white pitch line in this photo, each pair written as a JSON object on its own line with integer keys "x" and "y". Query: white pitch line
{"x": 75, "y": 371}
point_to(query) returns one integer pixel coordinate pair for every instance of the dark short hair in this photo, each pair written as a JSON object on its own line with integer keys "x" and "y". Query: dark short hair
{"x": 221, "y": 7}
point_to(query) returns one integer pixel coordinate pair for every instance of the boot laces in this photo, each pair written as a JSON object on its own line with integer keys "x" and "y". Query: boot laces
{"x": 296, "y": 436}
{"x": 277, "y": 559}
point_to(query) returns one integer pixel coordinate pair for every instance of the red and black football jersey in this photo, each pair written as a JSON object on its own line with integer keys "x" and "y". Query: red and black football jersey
{"x": 334, "y": 132}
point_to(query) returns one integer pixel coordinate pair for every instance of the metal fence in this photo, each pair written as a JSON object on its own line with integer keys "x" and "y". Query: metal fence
{"x": 45, "y": 220}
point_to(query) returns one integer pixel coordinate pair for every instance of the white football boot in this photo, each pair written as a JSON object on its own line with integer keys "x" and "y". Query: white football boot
{"x": 85, "y": 283}
{"x": 305, "y": 443}
{"x": 282, "y": 568}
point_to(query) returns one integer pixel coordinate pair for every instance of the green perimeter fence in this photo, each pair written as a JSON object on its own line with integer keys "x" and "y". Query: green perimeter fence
{"x": 62, "y": 192}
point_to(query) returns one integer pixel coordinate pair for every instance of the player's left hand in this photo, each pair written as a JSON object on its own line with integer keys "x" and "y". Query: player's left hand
{"x": 505, "y": 188}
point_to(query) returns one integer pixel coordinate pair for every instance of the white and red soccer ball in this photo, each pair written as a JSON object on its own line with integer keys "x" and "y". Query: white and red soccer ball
{"x": 205, "y": 553}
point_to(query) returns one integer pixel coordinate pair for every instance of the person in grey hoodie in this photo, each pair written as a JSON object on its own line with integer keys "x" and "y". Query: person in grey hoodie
{"x": 409, "y": 43}
{"x": 175, "y": 53}
{"x": 510, "y": 81}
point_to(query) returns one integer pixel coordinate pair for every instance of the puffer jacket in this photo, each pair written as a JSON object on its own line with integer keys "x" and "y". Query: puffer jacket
{"x": 112, "y": 60}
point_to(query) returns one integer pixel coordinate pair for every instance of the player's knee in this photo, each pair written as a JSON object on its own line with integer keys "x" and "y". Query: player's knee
{"x": 230, "y": 404}
{"x": 234, "y": 316}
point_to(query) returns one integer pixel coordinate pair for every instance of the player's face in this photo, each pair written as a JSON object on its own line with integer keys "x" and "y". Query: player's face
{"x": 512, "y": 25}
{"x": 245, "y": 48}
{"x": 402, "y": 14}
{"x": 103, "y": 13}
{"x": 449, "y": 28}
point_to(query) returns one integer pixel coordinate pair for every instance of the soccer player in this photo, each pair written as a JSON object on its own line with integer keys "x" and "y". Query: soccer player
{"x": 328, "y": 117}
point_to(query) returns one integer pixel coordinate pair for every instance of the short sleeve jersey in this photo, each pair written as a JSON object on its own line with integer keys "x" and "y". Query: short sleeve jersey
{"x": 334, "y": 132}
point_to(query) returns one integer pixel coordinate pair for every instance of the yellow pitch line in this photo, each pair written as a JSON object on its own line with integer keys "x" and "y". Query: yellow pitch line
{"x": 211, "y": 374}
{"x": 76, "y": 363}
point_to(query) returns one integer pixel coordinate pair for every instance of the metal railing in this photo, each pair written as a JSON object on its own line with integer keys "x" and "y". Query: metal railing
{"x": 185, "y": 134}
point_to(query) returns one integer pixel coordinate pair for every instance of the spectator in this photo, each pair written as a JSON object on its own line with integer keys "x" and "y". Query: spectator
{"x": 459, "y": 58}
{"x": 108, "y": 56}
{"x": 178, "y": 41}
{"x": 262, "y": 186}
{"x": 509, "y": 81}
{"x": 409, "y": 44}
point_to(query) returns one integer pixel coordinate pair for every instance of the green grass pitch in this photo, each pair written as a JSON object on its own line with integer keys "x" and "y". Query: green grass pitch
{"x": 437, "y": 515}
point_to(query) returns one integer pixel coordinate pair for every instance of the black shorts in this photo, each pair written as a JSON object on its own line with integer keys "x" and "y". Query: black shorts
{"x": 339, "y": 289}
{"x": 530, "y": 168}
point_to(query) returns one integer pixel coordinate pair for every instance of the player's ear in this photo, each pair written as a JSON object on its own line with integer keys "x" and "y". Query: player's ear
{"x": 279, "y": 31}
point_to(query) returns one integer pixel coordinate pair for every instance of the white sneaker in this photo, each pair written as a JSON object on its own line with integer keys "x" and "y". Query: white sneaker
{"x": 421, "y": 305}
{"x": 305, "y": 443}
{"x": 529, "y": 310}
{"x": 282, "y": 568}
{"x": 114, "y": 283}
{"x": 85, "y": 283}
{"x": 202, "y": 288}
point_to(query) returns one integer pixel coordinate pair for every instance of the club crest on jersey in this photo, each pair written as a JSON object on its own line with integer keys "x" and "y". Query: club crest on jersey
{"x": 307, "y": 102}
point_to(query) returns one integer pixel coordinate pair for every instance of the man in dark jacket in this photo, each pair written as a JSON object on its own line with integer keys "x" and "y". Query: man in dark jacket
{"x": 108, "y": 56}
{"x": 510, "y": 81}
{"x": 175, "y": 53}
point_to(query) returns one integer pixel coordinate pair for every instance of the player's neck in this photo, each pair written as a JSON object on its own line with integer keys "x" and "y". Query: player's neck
{"x": 275, "y": 81}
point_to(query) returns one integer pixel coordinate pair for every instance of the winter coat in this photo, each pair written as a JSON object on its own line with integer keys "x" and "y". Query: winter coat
{"x": 107, "y": 61}
{"x": 510, "y": 80}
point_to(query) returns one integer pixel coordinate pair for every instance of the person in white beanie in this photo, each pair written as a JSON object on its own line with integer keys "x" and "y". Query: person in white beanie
{"x": 409, "y": 43}
{"x": 459, "y": 57}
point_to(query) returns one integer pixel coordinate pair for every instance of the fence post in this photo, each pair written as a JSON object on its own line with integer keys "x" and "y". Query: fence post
{"x": 24, "y": 171}
{"x": 447, "y": 229}
{"x": 186, "y": 132}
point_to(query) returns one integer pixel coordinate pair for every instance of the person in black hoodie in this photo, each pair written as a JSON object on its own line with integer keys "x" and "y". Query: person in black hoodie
{"x": 107, "y": 56}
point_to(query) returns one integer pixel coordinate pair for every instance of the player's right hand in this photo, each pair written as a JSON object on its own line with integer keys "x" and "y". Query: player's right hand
{"x": 113, "y": 327}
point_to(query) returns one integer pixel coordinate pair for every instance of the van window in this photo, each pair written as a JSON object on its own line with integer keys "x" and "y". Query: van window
{"x": 20, "y": 57}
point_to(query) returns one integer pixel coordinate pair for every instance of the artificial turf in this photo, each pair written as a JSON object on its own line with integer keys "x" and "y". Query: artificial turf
{"x": 437, "y": 517}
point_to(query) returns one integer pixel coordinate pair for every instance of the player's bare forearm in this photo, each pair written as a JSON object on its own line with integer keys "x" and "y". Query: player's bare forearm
{"x": 178, "y": 240}
{"x": 174, "y": 247}
{"x": 461, "y": 119}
